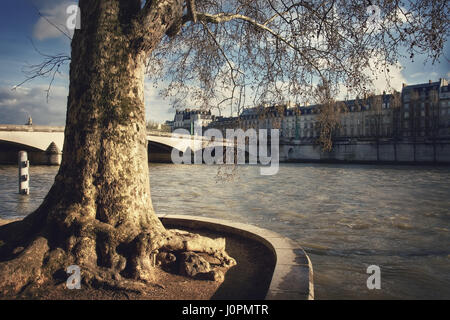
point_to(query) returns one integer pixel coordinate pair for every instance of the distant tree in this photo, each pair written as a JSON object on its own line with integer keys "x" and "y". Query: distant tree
{"x": 152, "y": 125}
{"x": 395, "y": 103}
{"x": 395, "y": 100}
{"x": 98, "y": 214}
{"x": 433, "y": 118}
{"x": 414, "y": 118}
{"x": 328, "y": 116}
{"x": 376, "y": 110}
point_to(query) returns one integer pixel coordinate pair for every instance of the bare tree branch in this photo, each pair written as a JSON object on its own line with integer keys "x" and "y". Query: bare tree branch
{"x": 222, "y": 18}
{"x": 49, "y": 67}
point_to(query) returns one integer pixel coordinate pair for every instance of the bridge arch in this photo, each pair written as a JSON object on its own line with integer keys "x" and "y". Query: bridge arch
{"x": 14, "y": 145}
{"x": 33, "y": 138}
{"x": 159, "y": 152}
{"x": 9, "y": 151}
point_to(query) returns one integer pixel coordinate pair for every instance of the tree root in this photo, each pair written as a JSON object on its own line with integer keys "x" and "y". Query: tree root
{"x": 107, "y": 263}
{"x": 24, "y": 269}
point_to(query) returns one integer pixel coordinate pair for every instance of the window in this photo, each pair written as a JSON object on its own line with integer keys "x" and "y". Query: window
{"x": 406, "y": 115}
{"x": 406, "y": 106}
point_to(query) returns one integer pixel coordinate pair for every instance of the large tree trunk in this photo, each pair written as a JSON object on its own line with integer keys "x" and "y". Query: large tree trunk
{"x": 98, "y": 214}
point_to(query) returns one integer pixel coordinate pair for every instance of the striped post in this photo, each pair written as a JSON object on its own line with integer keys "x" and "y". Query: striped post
{"x": 24, "y": 177}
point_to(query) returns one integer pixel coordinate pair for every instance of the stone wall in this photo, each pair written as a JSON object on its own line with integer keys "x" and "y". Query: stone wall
{"x": 369, "y": 151}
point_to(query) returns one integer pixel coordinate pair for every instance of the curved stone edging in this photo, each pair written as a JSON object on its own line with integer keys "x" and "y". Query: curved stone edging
{"x": 292, "y": 277}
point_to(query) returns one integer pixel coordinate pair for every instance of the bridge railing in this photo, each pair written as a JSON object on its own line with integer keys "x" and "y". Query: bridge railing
{"x": 32, "y": 128}
{"x": 37, "y": 128}
{"x": 185, "y": 136}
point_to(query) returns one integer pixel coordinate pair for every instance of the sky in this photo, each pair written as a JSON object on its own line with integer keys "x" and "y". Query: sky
{"x": 22, "y": 30}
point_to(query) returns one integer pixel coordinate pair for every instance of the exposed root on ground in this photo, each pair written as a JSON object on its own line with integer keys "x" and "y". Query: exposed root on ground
{"x": 108, "y": 258}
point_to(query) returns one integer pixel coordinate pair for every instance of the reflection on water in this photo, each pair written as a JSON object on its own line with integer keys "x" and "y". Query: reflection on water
{"x": 347, "y": 217}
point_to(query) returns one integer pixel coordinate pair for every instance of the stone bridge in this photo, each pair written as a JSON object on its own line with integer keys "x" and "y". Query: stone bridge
{"x": 44, "y": 143}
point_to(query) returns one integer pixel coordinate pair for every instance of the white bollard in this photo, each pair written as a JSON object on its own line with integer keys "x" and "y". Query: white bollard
{"x": 24, "y": 177}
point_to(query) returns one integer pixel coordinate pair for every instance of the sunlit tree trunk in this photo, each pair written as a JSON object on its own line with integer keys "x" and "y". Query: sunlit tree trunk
{"x": 99, "y": 214}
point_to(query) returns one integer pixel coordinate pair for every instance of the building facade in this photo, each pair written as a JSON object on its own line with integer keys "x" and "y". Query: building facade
{"x": 420, "y": 112}
{"x": 188, "y": 119}
{"x": 425, "y": 111}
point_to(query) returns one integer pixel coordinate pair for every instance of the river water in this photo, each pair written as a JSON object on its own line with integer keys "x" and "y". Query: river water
{"x": 346, "y": 217}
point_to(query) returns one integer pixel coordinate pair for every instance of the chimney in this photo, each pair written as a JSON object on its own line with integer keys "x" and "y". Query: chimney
{"x": 403, "y": 85}
{"x": 429, "y": 81}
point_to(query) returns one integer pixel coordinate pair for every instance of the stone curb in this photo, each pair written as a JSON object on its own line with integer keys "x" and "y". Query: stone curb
{"x": 292, "y": 277}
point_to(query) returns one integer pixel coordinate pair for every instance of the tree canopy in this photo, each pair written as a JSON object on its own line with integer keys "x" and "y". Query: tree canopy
{"x": 223, "y": 53}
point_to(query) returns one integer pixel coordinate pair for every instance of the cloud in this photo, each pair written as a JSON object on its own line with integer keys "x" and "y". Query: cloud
{"x": 17, "y": 105}
{"x": 417, "y": 75}
{"x": 157, "y": 108}
{"x": 385, "y": 81}
{"x": 421, "y": 77}
{"x": 381, "y": 80}
{"x": 55, "y": 17}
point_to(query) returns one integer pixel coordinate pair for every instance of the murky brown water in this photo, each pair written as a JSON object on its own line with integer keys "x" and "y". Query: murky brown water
{"x": 347, "y": 217}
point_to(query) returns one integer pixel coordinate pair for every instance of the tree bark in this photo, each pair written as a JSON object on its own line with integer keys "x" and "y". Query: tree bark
{"x": 98, "y": 213}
